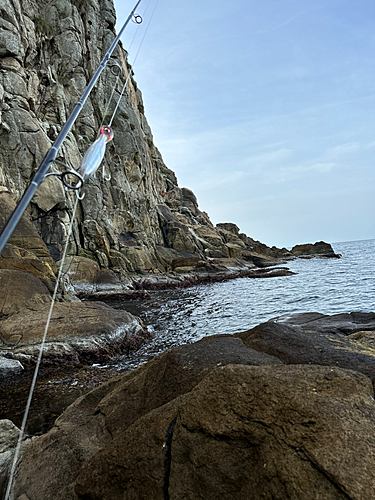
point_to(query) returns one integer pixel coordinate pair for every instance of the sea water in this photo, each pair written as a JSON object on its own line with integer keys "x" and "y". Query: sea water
{"x": 328, "y": 286}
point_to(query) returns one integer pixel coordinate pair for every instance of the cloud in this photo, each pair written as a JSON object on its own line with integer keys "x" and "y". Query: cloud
{"x": 342, "y": 150}
{"x": 279, "y": 25}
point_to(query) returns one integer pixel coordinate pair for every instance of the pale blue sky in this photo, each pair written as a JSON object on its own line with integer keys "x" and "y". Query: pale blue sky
{"x": 266, "y": 110}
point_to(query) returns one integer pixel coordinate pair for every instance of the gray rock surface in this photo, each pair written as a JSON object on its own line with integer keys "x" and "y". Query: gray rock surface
{"x": 9, "y": 367}
{"x": 339, "y": 324}
{"x": 318, "y": 249}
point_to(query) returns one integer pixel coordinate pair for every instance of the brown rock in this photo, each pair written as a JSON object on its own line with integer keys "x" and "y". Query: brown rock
{"x": 26, "y": 251}
{"x": 174, "y": 373}
{"x": 189, "y": 200}
{"x": 277, "y": 432}
{"x": 79, "y": 331}
{"x": 209, "y": 235}
{"x": 12, "y": 261}
{"x": 365, "y": 338}
{"x": 320, "y": 248}
{"x": 104, "y": 414}
{"x": 107, "y": 277}
{"x": 25, "y": 236}
{"x": 80, "y": 269}
{"x": 339, "y": 324}
{"x": 235, "y": 251}
{"x": 294, "y": 345}
{"x": 21, "y": 290}
{"x": 228, "y": 226}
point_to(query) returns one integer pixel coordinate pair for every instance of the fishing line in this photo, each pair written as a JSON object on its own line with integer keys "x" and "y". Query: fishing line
{"x": 115, "y": 85}
{"x": 113, "y": 91}
{"x": 60, "y": 274}
{"x": 26, "y": 414}
{"x": 135, "y": 59}
{"x": 138, "y": 20}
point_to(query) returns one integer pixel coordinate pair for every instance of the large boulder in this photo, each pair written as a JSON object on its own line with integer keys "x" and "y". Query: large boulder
{"x": 273, "y": 431}
{"x": 78, "y": 332}
{"x": 339, "y": 324}
{"x": 21, "y": 290}
{"x": 101, "y": 416}
{"x": 314, "y": 338}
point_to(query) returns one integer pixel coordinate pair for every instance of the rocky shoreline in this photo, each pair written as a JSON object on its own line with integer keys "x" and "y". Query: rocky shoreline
{"x": 88, "y": 330}
{"x": 283, "y": 410}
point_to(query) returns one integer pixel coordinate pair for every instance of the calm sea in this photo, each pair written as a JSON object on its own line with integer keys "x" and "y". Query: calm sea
{"x": 327, "y": 286}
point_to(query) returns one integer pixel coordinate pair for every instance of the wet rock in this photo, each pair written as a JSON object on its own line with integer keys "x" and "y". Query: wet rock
{"x": 78, "y": 332}
{"x": 339, "y": 324}
{"x": 9, "y": 367}
{"x": 307, "y": 344}
{"x": 57, "y": 388}
{"x": 318, "y": 249}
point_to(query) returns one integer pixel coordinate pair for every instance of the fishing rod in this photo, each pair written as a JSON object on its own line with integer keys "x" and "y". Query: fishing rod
{"x": 52, "y": 152}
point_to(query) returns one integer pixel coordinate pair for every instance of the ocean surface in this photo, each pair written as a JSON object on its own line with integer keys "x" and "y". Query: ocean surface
{"x": 328, "y": 286}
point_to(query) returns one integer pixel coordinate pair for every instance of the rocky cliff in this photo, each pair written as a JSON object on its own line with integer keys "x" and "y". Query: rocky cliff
{"x": 140, "y": 220}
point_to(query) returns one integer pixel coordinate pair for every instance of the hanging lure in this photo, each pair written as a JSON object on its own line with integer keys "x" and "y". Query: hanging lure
{"x": 95, "y": 154}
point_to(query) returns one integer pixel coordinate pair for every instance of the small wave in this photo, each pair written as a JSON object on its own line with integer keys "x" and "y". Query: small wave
{"x": 329, "y": 287}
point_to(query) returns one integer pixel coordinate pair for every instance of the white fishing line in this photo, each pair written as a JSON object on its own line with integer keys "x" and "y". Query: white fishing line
{"x": 59, "y": 276}
{"x": 31, "y": 392}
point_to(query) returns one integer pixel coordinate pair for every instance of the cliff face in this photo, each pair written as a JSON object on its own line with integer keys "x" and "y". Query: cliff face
{"x": 140, "y": 220}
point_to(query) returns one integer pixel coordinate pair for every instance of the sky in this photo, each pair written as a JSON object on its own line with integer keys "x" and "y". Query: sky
{"x": 266, "y": 110}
